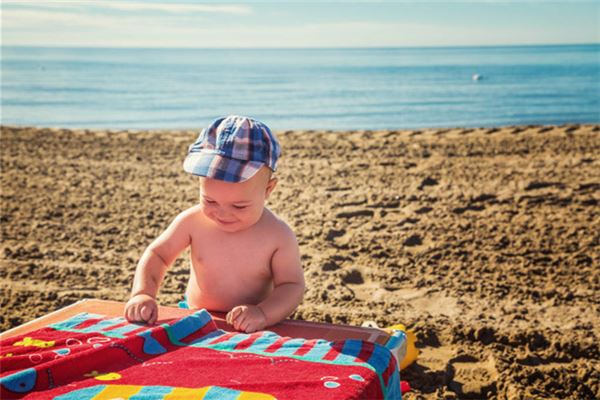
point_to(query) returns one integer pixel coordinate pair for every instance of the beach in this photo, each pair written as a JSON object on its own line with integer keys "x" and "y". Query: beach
{"x": 484, "y": 241}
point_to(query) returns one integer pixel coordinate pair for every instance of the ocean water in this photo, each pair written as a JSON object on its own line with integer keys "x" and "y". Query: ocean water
{"x": 395, "y": 88}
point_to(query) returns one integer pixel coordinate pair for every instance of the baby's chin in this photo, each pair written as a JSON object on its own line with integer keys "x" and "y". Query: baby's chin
{"x": 230, "y": 227}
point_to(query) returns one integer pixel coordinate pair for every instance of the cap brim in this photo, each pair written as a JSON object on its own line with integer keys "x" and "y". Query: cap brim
{"x": 215, "y": 166}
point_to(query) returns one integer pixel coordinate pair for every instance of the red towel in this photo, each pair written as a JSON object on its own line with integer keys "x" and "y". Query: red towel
{"x": 93, "y": 355}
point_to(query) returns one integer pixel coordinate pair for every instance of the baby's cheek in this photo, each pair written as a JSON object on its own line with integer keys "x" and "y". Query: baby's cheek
{"x": 254, "y": 216}
{"x": 207, "y": 210}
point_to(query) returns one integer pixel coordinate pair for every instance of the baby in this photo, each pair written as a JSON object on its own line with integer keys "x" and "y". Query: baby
{"x": 245, "y": 261}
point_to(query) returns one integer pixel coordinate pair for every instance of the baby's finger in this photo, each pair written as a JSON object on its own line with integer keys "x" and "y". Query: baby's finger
{"x": 234, "y": 314}
{"x": 127, "y": 314}
{"x": 239, "y": 321}
{"x": 134, "y": 315}
{"x": 153, "y": 316}
{"x": 146, "y": 313}
{"x": 247, "y": 327}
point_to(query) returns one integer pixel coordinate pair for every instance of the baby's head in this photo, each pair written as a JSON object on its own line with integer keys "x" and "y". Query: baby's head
{"x": 234, "y": 158}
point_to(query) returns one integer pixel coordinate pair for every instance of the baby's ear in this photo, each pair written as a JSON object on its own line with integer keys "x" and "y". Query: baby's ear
{"x": 270, "y": 186}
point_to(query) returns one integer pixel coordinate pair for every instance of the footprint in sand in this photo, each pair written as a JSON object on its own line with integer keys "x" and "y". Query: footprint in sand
{"x": 429, "y": 181}
{"x": 423, "y": 210}
{"x": 534, "y": 185}
{"x": 355, "y": 213}
{"x": 353, "y": 276}
{"x": 472, "y": 378}
{"x": 414, "y": 240}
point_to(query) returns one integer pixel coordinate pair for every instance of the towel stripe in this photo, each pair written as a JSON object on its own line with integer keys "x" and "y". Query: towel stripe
{"x": 86, "y": 323}
{"x": 365, "y": 352}
{"x": 388, "y": 371}
{"x": 336, "y": 348}
{"x": 289, "y": 347}
{"x": 276, "y": 345}
{"x": 222, "y": 338}
{"x": 305, "y": 348}
{"x": 244, "y": 344}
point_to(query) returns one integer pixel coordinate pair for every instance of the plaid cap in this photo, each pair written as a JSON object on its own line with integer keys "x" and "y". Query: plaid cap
{"x": 232, "y": 149}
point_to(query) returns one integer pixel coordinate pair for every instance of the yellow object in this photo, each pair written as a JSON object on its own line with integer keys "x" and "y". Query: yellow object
{"x": 110, "y": 376}
{"x": 28, "y": 341}
{"x": 411, "y": 350}
{"x": 117, "y": 392}
{"x": 124, "y": 392}
{"x": 186, "y": 393}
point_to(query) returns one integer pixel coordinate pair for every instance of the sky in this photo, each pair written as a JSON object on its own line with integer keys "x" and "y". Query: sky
{"x": 269, "y": 24}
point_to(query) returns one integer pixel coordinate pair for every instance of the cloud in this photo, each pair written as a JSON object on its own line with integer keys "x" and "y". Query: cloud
{"x": 147, "y": 24}
{"x": 177, "y": 8}
{"x": 58, "y": 15}
{"x": 130, "y": 6}
{"x": 25, "y": 19}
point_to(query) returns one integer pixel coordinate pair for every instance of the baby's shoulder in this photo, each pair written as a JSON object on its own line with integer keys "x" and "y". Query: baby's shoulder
{"x": 277, "y": 227}
{"x": 190, "y": 213}
{"x": 190, "y": 217}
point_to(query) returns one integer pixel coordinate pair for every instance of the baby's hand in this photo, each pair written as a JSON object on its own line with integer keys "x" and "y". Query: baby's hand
{"x": 247, "y": 318}
{"x": 141, "y": 308}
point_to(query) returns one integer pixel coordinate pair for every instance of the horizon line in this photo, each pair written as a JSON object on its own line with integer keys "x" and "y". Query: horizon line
{"x": 304, "y": 47}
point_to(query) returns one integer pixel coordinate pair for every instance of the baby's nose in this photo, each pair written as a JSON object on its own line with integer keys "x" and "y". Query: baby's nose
{"x": 222, "y": 213}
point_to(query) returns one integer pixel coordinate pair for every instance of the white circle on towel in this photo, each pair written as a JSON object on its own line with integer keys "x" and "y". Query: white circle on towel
{"x": 98, "y": 339}
{"x": 357, "y": 377}
{"x": 331, "y": 378}
{"x": 331, "y": 384}
{"x": 35, "y": 358}
{"x": 73, "y": 342}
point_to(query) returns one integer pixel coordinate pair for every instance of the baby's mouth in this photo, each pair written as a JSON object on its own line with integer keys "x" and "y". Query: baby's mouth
{"x": 223, "y": 222}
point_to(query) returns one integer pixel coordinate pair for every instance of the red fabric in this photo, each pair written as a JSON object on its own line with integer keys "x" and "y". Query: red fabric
{"x": 73, "y": 360}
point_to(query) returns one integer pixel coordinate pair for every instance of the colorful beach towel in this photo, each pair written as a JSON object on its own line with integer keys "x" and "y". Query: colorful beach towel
{"x": 91, "y": 356}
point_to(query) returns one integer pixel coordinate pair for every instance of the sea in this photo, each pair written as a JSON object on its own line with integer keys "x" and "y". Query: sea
{"x": 320, "y": 89}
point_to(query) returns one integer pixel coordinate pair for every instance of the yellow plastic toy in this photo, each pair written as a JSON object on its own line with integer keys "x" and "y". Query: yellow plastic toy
{"x": 411, "y": 350}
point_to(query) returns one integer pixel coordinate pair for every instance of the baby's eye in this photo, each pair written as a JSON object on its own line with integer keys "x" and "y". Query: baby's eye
{"x": 239, "y": 207}
{"x": 210, "y": 201}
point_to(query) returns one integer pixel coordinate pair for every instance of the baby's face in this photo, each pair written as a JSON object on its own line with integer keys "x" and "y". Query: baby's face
{"x": 236, "y": 206}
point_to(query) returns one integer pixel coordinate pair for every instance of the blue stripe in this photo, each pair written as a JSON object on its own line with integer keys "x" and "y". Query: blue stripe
{"x": 74, "y": 321}
{"x": 87, "y": 393}
{"x": 350, "y": 351}
{"x": 220, "y": 393}
{"x": 265, "y": 340}
{"x": 230, "y": 343}
{"x": 125, "y": 329}
{"x": 151, "y": 345}
{"x": 395, "y": 340}
{"x": 317, "y": 353}
{"x": 289, "y": 347}
{"x": 392, "y": 391}
{"x": 380, "y": 358}
{"x": 206, "y": 338}
{"x": 152, "y": 393}
{"x": 102, "y": 325}
{"x": 188, "y": 325}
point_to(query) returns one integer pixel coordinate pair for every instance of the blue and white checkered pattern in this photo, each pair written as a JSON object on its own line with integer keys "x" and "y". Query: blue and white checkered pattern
{"x": 232, "y": 149}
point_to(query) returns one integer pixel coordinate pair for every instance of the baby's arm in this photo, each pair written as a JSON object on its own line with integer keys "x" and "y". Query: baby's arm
{"x": 151, "y": 269}
{"x": 288, "y": 290}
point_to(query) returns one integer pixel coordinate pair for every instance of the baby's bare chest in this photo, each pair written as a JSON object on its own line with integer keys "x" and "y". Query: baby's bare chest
{"x": 241, "y": 257}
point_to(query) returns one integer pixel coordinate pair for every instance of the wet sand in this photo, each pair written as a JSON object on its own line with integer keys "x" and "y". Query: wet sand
{"x": 485, "y": 241}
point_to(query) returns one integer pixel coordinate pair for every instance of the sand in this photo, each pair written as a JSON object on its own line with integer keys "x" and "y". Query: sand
{"x": 485, "y": 241}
